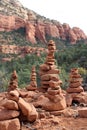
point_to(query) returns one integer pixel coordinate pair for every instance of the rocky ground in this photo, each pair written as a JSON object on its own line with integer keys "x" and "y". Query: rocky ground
{"x": 64, "y": 124}
{"x": 71, "y": 118}
{"x": 69, "y": 121}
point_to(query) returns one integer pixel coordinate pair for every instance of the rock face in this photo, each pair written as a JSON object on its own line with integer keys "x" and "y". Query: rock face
{"x": 13, "y": 82}
{"x": 50, "y": 81}
{"x": 9, "y": 23}
{"x": 53, "y": 30}
{"x": 33, "y": 84}
{"x": 30, "y": 32}
{"x": 14, "y": 16}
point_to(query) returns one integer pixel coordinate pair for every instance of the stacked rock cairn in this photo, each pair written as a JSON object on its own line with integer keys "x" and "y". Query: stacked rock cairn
{"x": 13, "y": 81}
{"x": 75, "y": 82}
{"x": 33, "y": 83}
{"x": 50, "y": 81}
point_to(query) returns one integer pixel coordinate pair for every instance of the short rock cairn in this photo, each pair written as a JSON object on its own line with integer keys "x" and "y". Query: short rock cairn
{"x": 33, "y": 83}
{"x": 13, "y": 81}
{"x": 75, "y": 82}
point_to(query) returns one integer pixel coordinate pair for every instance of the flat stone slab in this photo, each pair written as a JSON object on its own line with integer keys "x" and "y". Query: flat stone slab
{"x": 83, "y": 112}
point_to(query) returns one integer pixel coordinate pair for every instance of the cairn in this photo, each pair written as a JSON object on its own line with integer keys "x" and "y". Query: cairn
{"x": 75, "y": 82}
{"x": 13, "y": 81}
{"x": 33, "y": 84}
{"x": 51, "y": 82}
{"x": 48, "y": 68}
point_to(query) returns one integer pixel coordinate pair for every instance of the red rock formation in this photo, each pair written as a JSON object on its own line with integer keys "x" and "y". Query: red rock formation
{"x": 61, "y": 31}
{"x": 79, "y": 33}
{"x": 51, "y": 30}
{"x": 22, "y": 50}
{"x": 9, "y": 23}
{"x": 30, "y": 32}
{"x": 40, "y": 31}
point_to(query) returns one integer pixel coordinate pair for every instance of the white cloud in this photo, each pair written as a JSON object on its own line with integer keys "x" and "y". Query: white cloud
{"x": 72, "y": 12}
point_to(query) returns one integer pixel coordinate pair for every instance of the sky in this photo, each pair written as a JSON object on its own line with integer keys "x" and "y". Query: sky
{"x": 73, "y": 12}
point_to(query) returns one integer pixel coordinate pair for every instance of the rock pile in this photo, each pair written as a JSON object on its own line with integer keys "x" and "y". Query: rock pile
{"x": 33, "y": 83}
{"x": 13, "y": 81}
{"x": 50, "y": 81}
{"x": 75, "y": 91}
{"x": 75, "y": 82}
{"x": 48, "y": 68}
{"x": 15, "y": 109}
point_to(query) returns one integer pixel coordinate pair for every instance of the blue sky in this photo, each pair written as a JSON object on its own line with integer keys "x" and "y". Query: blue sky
{"x": 72, "y": 12}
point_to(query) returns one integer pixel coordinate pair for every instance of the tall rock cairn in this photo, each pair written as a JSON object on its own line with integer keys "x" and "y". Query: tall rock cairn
{"x": 48, "y": 70}
{"x": 51, "y": 82}
{"x": 33, "y": 83}
{"x": 75, "y": 82}
{"x": 13, "y": 81}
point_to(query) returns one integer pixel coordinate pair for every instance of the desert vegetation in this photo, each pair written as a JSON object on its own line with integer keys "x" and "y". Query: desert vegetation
{"x": 67, "y": 57}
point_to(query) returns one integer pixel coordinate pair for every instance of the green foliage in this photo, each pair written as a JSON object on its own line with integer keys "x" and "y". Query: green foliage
{"x": 67, "y": 56}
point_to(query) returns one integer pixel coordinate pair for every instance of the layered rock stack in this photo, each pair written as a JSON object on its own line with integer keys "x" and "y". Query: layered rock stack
{"x": 33, "y": 83}
{"x": 75, "y": 82}
{"x": 14, "y": 110}
{"x": 50, "y": 81}
{"x": 48, "y": 68}
{"x": 13, "y": 81}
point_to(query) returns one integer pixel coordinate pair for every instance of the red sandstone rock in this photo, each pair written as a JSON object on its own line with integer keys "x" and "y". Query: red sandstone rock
{"x": 82, "y": 112}
{"x": 51, "y": 30}
{"x": 10, "y": 105}
{"x": 8, "y": 114}
{"x": 9, "y": 23}
{"x": 30, "y": 32}
{"x": 13, "y": 95}
{"x": 40, "y": 32}
{"x": 12, "y": 124}
{"x": 75, "y": 90}
{"x": 51, "y": 106}
{"x": 28, "y": 110}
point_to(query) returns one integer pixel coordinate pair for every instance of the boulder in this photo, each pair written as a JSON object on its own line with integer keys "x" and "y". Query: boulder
{"x": 12, "y": 124}
{"x": 10, "y": 105}
{"x": 28, "y": 110}
{"x": 82, "y": 112}
{"x": 52, "y": 106}
{"x": 8, "y": 114}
